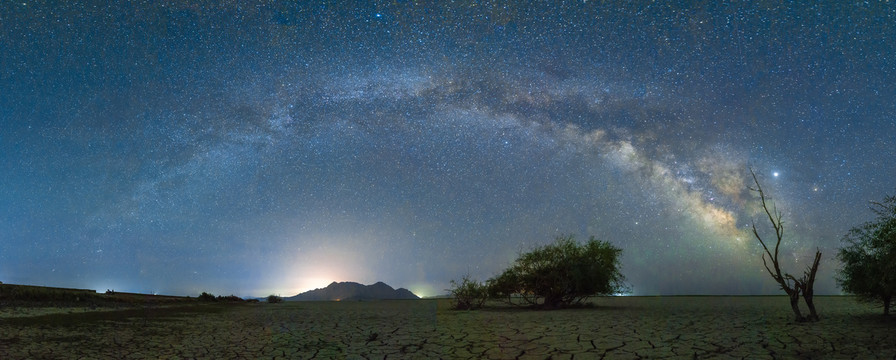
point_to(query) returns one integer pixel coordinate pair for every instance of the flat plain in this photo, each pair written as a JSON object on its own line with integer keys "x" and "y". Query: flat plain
{"x": 614, "y": 328}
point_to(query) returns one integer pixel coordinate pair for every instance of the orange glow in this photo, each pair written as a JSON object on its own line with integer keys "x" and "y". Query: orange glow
{"x": 316, "y": 267}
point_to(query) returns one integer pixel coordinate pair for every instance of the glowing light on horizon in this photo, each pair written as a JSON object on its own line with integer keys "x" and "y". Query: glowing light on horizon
{"x": 318, "y": 267}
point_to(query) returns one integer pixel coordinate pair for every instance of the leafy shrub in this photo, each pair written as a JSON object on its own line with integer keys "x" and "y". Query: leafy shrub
{"x": 468, "y": 294}
{"x": 561, "y": 274}
{"x": 206, "y": 297}
{"x": 869, "y": 257}
{"x": 274, "y": 299}
{"x": 230, "y": 298}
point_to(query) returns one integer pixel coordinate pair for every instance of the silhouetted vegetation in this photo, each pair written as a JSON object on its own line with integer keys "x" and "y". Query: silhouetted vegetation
{"x": 869, "y": 256}
{"x": 208, "y": 297}
{"x": 468, "y": 294}
{"x": 230, "y": 298}
{"x": 791, "y": 285}
{"x": 560, "y": 274}
{"x": 274, "y": 299}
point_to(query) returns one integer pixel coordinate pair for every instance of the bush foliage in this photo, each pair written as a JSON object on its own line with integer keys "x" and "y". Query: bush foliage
{"x": 468, "y": 294}
{"x": 556, "y": 275}
{"x": 230, "y": 298}
{"x": 561, "y": 274}
{"x": 274, "y": 299}
{"x": 869, "y": 257}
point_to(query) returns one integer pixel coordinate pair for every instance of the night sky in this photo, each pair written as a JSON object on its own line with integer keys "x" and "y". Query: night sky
{"x": 251, "y": 149}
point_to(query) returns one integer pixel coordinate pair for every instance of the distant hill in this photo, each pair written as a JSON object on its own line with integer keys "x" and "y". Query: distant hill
{"x": 343, "y": 291}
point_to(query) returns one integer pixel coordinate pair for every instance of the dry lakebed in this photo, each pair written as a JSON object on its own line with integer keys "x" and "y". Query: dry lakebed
{"x": 711, "y": 327}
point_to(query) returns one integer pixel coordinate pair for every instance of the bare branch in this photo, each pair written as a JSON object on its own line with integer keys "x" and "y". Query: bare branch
{"x": 790, "y": 284}
{"x": 776, "y": 224}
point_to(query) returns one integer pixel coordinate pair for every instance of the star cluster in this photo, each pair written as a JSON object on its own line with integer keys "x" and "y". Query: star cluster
{"x": 274, "y": 148}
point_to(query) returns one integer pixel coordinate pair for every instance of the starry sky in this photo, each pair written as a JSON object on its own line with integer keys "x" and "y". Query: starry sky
{"x": 253, "y": 148}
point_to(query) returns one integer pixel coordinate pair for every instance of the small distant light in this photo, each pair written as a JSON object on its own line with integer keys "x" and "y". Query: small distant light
{"x": 775, "y": 174}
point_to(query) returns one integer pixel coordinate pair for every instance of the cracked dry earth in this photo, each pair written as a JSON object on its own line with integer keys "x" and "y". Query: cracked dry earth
{"x": 616, "y": 328}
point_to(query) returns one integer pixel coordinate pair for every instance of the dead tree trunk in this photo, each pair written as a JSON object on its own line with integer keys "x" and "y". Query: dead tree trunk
{"x": 795, "y": 306}
{"x": 793, "y": 292}
{"x": 788, "y": 283}
{"x": 806, "y": 284}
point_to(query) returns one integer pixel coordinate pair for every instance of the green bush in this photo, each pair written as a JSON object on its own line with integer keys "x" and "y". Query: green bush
{"x": 468, "y": 294}
{"x": 206, "y": 297}
{"x": 868, "y": 257}
{"x": 561, "y": 274}
{"x": 274, "y": 299}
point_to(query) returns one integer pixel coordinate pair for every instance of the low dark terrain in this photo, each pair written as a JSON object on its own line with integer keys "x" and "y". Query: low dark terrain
{"x": 615, "y": 327}
{"x": 43, "y": 296}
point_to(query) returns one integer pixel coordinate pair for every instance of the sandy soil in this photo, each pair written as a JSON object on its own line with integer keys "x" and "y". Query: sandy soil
{"x": 617, "y": 328}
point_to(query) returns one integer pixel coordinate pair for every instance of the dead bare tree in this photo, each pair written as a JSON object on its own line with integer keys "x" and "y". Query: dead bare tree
{"x": 806, "y": 285}
{"x": 791, "y": 285}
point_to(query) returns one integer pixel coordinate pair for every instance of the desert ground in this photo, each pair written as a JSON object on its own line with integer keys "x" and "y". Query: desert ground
{"x": 615, "y": 328}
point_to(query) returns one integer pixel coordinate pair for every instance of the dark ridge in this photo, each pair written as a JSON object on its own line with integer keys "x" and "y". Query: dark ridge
{"x": 348, "y": 291}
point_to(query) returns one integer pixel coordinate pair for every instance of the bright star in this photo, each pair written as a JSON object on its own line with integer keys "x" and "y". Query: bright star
{"x": 775, "y": 174}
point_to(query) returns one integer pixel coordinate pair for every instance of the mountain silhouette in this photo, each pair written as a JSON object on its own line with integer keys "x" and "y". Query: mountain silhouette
{"x": 343, "y": 291}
